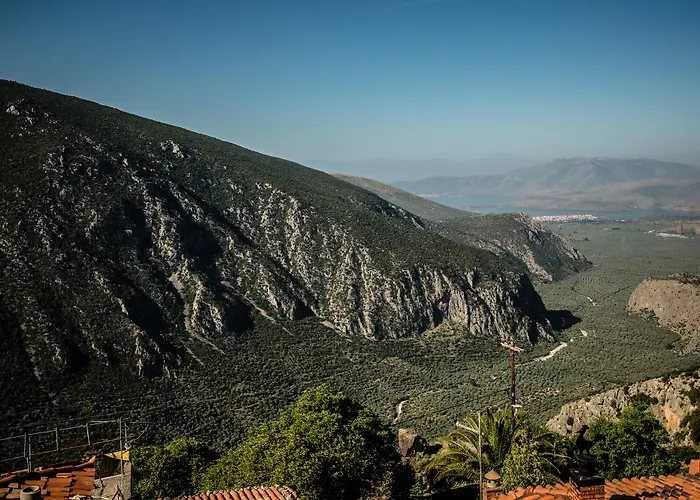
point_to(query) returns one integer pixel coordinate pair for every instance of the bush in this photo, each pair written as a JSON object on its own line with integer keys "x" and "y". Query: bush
{"x": 694, "y": 395}
{"x": 170, "y": 471}
{"x": 636, "y": 446}
{"x": 684, "y": 454}
{"x": 643, "y": 401}
{"x": 525, "y": 466}
{"x": 324, "y": 446}
{"x": 692, "y": 421}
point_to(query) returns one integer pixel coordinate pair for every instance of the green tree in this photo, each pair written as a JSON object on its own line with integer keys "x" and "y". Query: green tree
{"x": 171, "y": 471}
{"x": 635, "y": 446}
{"x": 324, "y": 446}
{"x": 458, "y": 460}
{"x": 692, "y": 422}
{"x": 526, "y": 466}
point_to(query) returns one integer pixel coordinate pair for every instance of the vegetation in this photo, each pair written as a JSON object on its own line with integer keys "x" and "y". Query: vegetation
{"x": 635, "y": 446}
{"x": 324, "y": 446}
{"x": 171, "y": 471}
{"x": 525, "y": 466}
{"x": 692, "y": 422}
{"x": 523, "y": 452}
{"x": 267, "y": 364}
{"x": 642, "y": 401}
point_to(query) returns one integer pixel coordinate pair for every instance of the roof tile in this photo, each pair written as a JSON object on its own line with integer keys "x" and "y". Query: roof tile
{"x": 59, "y": 481}
{"x": 256, "y": 493}
{"x": 661, "y": 487}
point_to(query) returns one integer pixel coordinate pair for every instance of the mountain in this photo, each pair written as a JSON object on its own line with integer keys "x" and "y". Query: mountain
{"x": 129, "y": 247}
{"x": 387, "y": 170}
{"x": 512, "y": 236}
{"x": 605, "y": 183}
{"x": 410, "y": 202}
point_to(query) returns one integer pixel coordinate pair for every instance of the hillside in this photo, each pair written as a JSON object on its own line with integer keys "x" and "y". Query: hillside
{"x": 130, "y": 249}
{"x": 668, "y": 398}
{"x": 511, "y": 236}
{"x": 578, "y": 183}
{"x": 518, "y": 238}
{"x": 674, "y": 302}
{"x": 410, "y": 202}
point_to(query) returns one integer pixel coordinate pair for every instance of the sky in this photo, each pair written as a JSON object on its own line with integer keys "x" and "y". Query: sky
{"x": 362, "y": 80}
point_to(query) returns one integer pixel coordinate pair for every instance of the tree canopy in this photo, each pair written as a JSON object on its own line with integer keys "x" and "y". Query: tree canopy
{"x": 170, "y": 471}
{"x": 325, "y": 446}
{"x": 526, "y": 466}
{"x": 635, "y": 446}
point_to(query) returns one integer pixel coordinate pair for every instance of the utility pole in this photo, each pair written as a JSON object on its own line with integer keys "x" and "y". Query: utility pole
{"x": 512, "y": 350}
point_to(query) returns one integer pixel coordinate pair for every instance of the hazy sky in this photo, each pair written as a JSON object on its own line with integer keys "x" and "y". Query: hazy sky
{"x": 356, "y": 79}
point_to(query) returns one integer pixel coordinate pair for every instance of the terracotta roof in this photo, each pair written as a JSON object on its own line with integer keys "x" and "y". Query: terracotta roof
{"x": 661, "y": 487}
{"x": 56, "y": 482}
{"x": 257, "y": 493}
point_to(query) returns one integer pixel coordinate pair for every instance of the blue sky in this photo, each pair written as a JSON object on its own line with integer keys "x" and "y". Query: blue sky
{"x": 398, "y": 79}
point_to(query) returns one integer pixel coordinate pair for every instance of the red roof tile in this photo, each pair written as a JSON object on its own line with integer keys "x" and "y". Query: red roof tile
{"x": 60, "y": 481}
{"x": 662, "y": 487}
{"x": 257, "y": 493}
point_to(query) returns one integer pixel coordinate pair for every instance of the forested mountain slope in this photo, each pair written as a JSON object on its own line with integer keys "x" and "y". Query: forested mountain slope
{"x": 131, "y": 244}
{"x": 512, "y": 236}
{"x": 418, "y": 205}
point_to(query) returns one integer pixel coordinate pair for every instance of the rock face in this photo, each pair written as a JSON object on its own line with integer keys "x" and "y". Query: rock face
{"x": 126, "y": 241}
{"x": 513, "y": 236}
{"x": 674, "y": 302}
{"x": 672, "y": 406}
{"x": 519, "y": 238}
{"x": 410, "y": 443}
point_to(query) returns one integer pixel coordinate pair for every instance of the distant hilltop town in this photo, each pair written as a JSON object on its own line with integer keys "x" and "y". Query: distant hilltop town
{"x": 567, "y": 218}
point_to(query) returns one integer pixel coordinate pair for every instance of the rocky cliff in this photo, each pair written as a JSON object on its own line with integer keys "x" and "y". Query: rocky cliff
{"x": 517, "y": 237}
{"x": 512, "y": 236}
{"x": 126, "y": 241}
{"x": 674, "y": 302}
{"x": 670, "y": 407}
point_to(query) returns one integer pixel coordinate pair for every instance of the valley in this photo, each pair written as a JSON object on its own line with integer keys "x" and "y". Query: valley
{"x": 434, "y": 380}
{"x": 191, "y": 286}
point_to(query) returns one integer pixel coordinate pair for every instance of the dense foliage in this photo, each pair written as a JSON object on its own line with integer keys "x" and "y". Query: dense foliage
{"x": 692, "y": 422}
{"x": 524, "y": 453}
{"x": 324, "y": 446}
{"x": 526, "y": 466}
{"x": 174, "y": 470}
{"x": 635, "y": 446}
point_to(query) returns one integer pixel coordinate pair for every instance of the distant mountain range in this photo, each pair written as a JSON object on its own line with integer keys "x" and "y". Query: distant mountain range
{"x": 387, "y": 170}
{"x": 573, "y": 183}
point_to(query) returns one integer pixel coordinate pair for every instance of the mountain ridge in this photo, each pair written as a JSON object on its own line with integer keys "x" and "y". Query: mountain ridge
{"x": 512, "y": 236}
{"x": 578, "y": 181}
{"x": 127, "y": 242}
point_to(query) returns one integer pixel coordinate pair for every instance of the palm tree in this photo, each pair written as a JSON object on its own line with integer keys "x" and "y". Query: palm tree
{"x": 458, "y": 460}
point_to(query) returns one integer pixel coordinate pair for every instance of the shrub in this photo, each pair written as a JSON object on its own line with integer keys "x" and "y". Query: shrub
{"x": 633, "y": 447}
{"x": 170, "y": 471}
{"x": 324, "y": 446}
